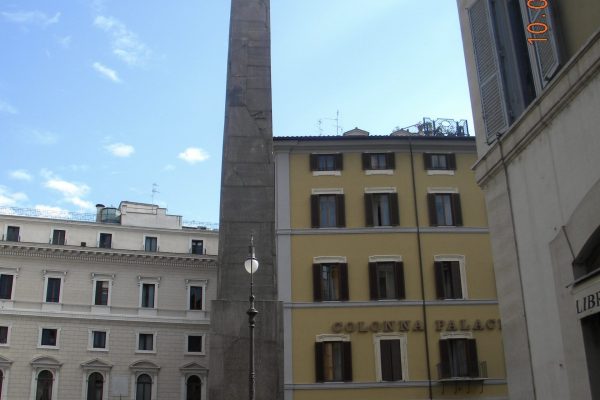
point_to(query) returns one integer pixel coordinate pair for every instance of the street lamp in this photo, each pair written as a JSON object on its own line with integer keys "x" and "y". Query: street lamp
{"x": 251, "y": 265}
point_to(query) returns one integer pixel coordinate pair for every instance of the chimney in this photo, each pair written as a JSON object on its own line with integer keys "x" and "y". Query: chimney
{"x": 99, "y": 208}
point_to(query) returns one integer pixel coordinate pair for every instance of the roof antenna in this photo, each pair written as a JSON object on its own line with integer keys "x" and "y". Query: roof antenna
{"x": 154, "y": 191}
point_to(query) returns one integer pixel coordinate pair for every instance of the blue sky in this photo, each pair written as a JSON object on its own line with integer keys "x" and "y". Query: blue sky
{"x": 101, "y": 99}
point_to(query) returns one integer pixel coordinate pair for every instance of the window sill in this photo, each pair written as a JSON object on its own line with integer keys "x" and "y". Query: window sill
{"x": 99, "y": 350}
{"x": 189, "y": 353}
{"x": 440, "y": 172}
{"x": 379, "y": 172}
{"x": 48, "y": 347}
{"x": 6, "y": 304}
{"x": 327, "y": 173}
{"x": 145, "y": 351}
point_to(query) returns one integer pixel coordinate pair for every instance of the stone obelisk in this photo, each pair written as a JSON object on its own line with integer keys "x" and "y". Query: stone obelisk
{"x": 247, "y": 208}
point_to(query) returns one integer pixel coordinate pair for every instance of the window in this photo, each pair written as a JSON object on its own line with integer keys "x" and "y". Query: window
{"x": 58, "y": 236}
{"x": 12, "y": 234}
{"x": 146, "y": 342}
{"x": 197, "y": 246}
{"x": 101, "y": 291}
{"x": 326, "y": 162}
{"x": 196, "y": 297}
{"x": 193, "y": 388}
{"x": 143, "y": 387}
{"x": 327, "y": 210}
{"x": 386, "y": 280}
{"x": 98, "y": 340}
{"x": 390, "y": 352}
{"x": 509, "y": 69}
{"x": 448, "y": 280}
{"x": 6, "y": 286}
{"x": 330, "y": 282}
{"x": 439, "y": 161}
{"x": 378, "y": 161}
{"x": 53, "y": 286}
{"x": 105, "y": 241}
{"x": 95, "y": 386}
{"x": 194, "y": 344}
{"x": 458, "y": 358}
{"x": 150, "y": 243}
{"x": 381, "y": 209}
{"x": 4, "y": 335}
{"x": 49, "y": 337}
{"x": 148, "y": 295}
{"x": 444, "y": 209}
{"x": 333, "y": 360}
{"x": 43, "y": 389}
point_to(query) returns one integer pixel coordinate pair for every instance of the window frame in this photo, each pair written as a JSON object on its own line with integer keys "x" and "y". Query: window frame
{"x": 402, "y": 338}
{"x": 456, "y": 258}
{"x": 346, "y": 357}
{"x": 45, "y": 346}
{"x": 13, "y": 284}
{"x": 157, "y": 238}
{"x": 339, "y": 205}
{"x": 186, "y": 344}
{"x": 390, "y": 163}
{"x": 48, "y": 274}
{"x": 18, "y": 233}
{"x": 192, "y": 240}
{"x": 91, "y": 347}
{"x": 399, "y": 277}
{"x": 455, "y": 206}
{"x": 137, "y": 341}
{"x": 8, "y": 327}
{"x": 337, "y": 166}
{"x": 445, "y": 368}
{"x": 432, "y": 170}
{"x": 341, "y": 264}
{"x": 64, "y": 239}
{"x": 100, "y": 240}
{"x": 189, "y": 283}
{"x": 148, "y": 281}
{"x": 393, "y": 206}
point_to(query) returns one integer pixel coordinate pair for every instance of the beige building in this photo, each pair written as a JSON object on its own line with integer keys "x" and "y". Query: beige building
{"x": 534, "y": 77}
{"x": 112, "y": 308}
{"x": 385, "y": 270}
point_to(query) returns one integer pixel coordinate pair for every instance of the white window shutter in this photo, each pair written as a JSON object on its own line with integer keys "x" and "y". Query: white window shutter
{"x": 543, "y": 54}
{"x": 491, "y": 88}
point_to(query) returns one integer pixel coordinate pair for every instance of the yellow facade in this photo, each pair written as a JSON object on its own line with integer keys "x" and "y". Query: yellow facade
{"x": 417, "y": 322}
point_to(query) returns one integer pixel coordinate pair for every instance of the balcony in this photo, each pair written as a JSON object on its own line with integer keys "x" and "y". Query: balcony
{"x": 462, "y": 381}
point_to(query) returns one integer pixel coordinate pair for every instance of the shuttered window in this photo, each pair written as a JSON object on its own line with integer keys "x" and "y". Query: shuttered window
{"x": 444, "y": 209}
{"x": 333, "y": 361}
{"x": 391, "y": 362}
{"x": 58, "y": 236}
{"x": 327, "y": 211}
{"x": 381, "y": 209}
{"x": 330, "y": 282}
{"x": 375, "y": 161}
{"x": 326, "y": 162}
{"x": 386, "y": 280}
{"x": 438, "y": 161}
{"x": 448, "y": 282}
{"x": 458, "y": 358}
{"x": 12, "y": 234}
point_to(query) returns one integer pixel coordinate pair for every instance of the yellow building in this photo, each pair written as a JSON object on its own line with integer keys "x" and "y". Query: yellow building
{"x": 385, "y": 269}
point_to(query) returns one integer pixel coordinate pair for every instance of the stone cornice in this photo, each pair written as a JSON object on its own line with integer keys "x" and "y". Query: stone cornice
{"x": 103, "y": 256}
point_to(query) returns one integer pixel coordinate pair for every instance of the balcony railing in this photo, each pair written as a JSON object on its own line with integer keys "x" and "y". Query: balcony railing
{"x": 447, "y": 377}
{"x": 438, "y": 127}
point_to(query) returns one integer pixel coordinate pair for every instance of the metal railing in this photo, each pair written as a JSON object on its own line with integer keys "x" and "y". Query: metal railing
{"x": 437, "y": 127}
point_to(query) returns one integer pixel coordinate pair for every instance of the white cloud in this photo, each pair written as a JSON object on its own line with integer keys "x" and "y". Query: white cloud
{"x": 125, "y": 43}
{"x": 31, "y": 17}
{"x": 43, "y": 137}
{"x": 7, "y": 108}
{"x": 11, "y": 199}
{"x": 120, "y": 149}
{"x": 54, "y": 212}
{"x": 20, "y": 174}
{"x": 65, "y": 42}
{"x": 72, "y": 192}
{"x": 106, "y": 72}
{"x": 193, "y": 155}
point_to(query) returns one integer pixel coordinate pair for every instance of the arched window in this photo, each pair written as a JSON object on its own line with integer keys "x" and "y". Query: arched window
{"x": 44, "y": 385}
{"x": 194, "y": 388}
{"x": 95, "y": 386}
{"x": 143, "y": 389}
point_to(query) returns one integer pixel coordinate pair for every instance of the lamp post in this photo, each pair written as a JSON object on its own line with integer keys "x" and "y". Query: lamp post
{"x": 251, "y": 265}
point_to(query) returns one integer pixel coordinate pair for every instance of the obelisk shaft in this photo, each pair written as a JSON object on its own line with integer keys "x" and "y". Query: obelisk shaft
{"x": 247, "y": 208}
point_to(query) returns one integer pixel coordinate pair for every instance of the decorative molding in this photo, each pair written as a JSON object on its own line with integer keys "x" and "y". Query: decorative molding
{"x": 391, "y": 258}
{"x": 391, "y": 303}
{"x": 327, "y": 191}
{"x": 381, "y": 230}
{"x": 375, "y": 385}
{"x": 329, "y": 259}
{"x": 442, "y": 190}
{"x": 326, "y": 337}
{"x": 327, "y": 173}
{"x": 380, "y": 190}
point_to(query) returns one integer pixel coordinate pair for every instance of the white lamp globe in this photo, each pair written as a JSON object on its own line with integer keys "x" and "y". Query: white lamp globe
{"x": 251, "y": 265}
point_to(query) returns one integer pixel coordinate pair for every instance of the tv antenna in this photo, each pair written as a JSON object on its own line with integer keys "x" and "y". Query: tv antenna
{"x": 338, "y": 128}
{"x": 154, "y": 191}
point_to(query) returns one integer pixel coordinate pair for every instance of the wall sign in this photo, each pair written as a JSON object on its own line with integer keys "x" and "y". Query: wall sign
{"x": 587, "y": 300}
{"x": 417, "y": 326}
